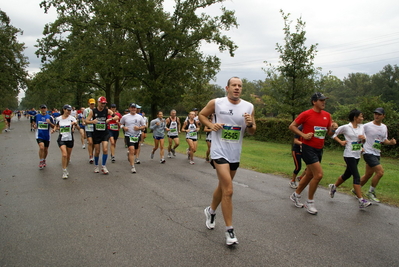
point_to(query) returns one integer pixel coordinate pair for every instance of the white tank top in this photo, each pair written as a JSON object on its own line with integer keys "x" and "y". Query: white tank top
{"x": 227, "y": 142}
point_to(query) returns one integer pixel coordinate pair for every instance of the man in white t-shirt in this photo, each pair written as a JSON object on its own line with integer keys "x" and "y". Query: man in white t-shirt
{"x": 376, "y": 134}
{"x": 232, "y": 116}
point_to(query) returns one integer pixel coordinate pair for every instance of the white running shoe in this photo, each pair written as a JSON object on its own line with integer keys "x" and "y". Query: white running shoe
{"x": 293, "y": 185}
{"x": 210, "y": 219}
{"x": 364, "y": 203}
{"x": 64, "y": 174}
{"x": 162, "y": 161}
{"x": 137, "y": 161}
{"x": 152, "y": 155}
{"x": 96, "y": 169}
{"x": 310, "y": 207}
{"x": 104, "y": 170}
{"x": 192, "y": 162}
{"x": 84, "y": 146}
{"x": 91, "y": 160}
{"x": 297, "y": 200}
{"x": 231, "y": 238}
{"x": 333, "y": 189}
{"x": 133, "y": 170}
{"x": 173, "y": 152}
{"x": 169, "y": 155}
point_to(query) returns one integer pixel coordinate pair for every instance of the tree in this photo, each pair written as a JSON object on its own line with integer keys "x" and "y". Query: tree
{"x": 13, "y": 63}
{"x": 136, "y": 45}
{"x": 386, "y": 84}
{"x": 292, "y": 80}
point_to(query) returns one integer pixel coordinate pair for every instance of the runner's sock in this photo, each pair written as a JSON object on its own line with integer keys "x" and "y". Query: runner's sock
{"x": 105, "y": 156}
{"x": 96, "y": 160}
{"x": 371, "y": 189}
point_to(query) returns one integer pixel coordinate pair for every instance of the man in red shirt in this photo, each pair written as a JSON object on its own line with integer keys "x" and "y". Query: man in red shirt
{"x": 316, "y": 125}
{"x": 7, "y": 116}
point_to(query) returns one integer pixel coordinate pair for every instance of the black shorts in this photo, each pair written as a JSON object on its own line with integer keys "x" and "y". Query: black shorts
{"x": 128, "y": 143}
{"x": 46, "y": 142}
{"x": 8, "y": 120}
{"x": 233, "y": 166}
{"x": 371, "y": 160}
{"x": 145, "y": 130}
{"x": 89, "y": 134}
{"x": 114, "y": 134}
{"x": 68, "y": 144}
{"x": 98, "y": 138}
{"x": 173, "y": 136}
{"x": 194, "y": 140}
{"x": 311, "y": 155}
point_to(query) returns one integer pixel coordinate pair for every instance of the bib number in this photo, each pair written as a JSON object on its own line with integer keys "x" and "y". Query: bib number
{"x": 43, "y": 125}
{"x": 65, "y": 129}
{"x": 113, "y": 127}
{"x": 320, "y": 132}
{"x": 231, "y": 133}
{"x": 89, "y": 127}
{"x": 133, "y": 139}
{"x": 100, "y": 126}
{"x": 356, "y": 146}
{"x": 377, "y": 145}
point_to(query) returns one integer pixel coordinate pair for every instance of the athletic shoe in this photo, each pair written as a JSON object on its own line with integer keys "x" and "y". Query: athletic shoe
{"x": 137, "y": 161}
{"x": 231, "y": 238}
{"x": 210, "y": 219}
{"x": 104, "y": 170}
{"x": 353, "y": 192}
{"x": 333, "y": 189}
{"x": 364, "y": 203}
{"x": 64, "y": 174}
{"x": 169, "y": 155}
{"x": 44, "y": 163}
{"x": 152, "y": 155}
{"x": 373, "y": 197}
{"x": 162, "y": 161}
{"x": 112, "y": 159}
{"x": 296, "y": 200}
{"x": 192, "y": 162}
{"x": 84, "y": 146}
{"x": 133, "y": 170}
{"x": 91, "y": 160}
{"x": 173, "y": 152}
{"x": 310, "y": 207}
{"x": 293, "y": 185}
{"x": 207, "y": 159}
{"x": 96, "y": 169}
{"x": 41, "y": 165}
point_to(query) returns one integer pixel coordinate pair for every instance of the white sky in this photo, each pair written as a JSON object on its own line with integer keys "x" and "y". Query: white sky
{"x": 352, "y": 35}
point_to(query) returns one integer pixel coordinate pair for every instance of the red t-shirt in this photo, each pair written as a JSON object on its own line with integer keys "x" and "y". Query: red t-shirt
{"x": 7, "y": 114}
{"x": 113, "y": 125}
{"x": 316, "y": 123}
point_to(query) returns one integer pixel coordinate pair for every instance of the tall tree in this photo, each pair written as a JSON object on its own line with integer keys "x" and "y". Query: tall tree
{"x": 13, "y": 63}
{"x": 292, "y": 80}
{"x": 386, "y": 84}
{"x": 118, "y": 44}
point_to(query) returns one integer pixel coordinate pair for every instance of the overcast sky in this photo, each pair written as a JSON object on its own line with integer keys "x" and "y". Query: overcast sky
{"x": 352, "y": 35}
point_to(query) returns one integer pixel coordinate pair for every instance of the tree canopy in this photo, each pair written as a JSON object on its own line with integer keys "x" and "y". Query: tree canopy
{"x": 13, "y": 63}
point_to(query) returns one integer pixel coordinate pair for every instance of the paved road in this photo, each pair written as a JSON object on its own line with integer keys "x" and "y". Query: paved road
{"x": 155, "y": 217}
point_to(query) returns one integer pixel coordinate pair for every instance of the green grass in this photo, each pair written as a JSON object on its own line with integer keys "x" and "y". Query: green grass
{"x": 275, "y": 158}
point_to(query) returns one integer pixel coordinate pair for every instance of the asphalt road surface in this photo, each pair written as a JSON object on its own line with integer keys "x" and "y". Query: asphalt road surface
{"x": 155, "y": 217}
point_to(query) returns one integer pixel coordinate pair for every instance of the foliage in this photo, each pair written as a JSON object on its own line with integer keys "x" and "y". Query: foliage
{"x": 292, "y": 81}
{"x": 13, "y": 63}
{"x": 137, "y": 46}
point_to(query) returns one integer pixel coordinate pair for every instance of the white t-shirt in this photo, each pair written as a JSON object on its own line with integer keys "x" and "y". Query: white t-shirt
{"x": 353, "y": 147}
{"x": 66, "y": 127}
{"x": 227, "y": 142}
{"x": 130, "y": 121}
{"x": 88, "y": 127}
{"x": 375, "y": 135}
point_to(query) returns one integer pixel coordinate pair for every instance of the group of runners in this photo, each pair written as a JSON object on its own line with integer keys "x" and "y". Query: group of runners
{"x": 225, "y": 122}
{"x": 311, "y": 128}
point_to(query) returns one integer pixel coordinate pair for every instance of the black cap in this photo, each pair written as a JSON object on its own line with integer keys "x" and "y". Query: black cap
{"x": 132, "y": 105}
{"x": 195, "y": 109}
{"x": 68, "y": 107}
{"x": 318, "y": 96}
{"x": 126, "y": 110}
{"x": 113, "y": 105}
{"x": 379, "y": 111}
{"x": 43, "y": 106}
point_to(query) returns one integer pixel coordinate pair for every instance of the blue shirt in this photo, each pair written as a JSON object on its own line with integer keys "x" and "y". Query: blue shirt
{"x": 43, "y": 128}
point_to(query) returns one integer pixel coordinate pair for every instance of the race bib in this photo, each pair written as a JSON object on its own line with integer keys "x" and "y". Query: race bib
{"x": 89, "y": 127}
{"x": 356, "y": 146}
{"x": 320, "y": 132}
{"x": 113, "y": 127}
{"x": 173, "y": 130}
{"x": 231, "y": 133}
{"x": 100, "y": 126}
{"x": 192, "y": 134}
{"x": 133, "y": 139}
{"x": 65, "y": 129}
{"x": 377, "y": 145}
{"x": 42, "y": 125}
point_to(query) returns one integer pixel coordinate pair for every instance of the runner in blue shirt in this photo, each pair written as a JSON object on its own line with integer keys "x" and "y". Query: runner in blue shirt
{"x": 42, "y": 123}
